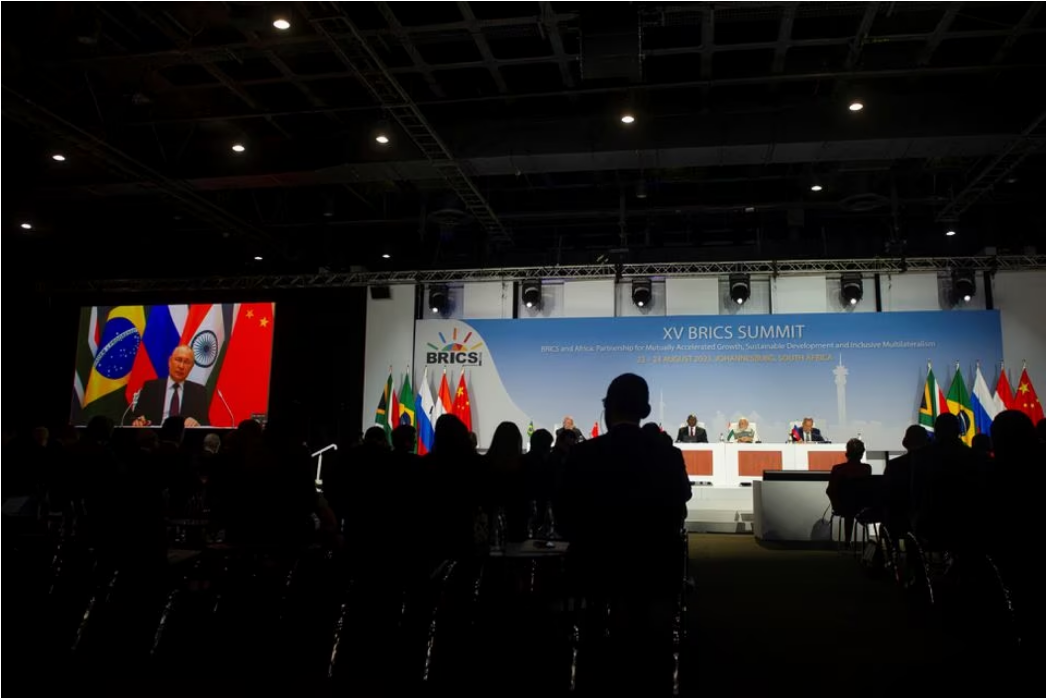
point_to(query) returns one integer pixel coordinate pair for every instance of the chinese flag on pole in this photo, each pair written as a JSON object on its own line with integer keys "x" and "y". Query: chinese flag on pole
{"x": 1026, "y": 400}
{"x": 243, "y": 381}
{"x": 462, "y": 406}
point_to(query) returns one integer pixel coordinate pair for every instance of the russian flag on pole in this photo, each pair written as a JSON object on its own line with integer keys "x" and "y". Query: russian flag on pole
{"x": 423, "y": 409}
{"x": 985, "y": 405}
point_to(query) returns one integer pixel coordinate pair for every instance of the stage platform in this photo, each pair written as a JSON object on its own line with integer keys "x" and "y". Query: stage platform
{"x": 720, "y": 510}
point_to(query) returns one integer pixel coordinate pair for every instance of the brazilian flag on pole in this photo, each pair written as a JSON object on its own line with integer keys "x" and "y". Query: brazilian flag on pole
{"x": 381, "y": 415}
{"x": 960, "y": 405}
{"x": 406, "y": 416}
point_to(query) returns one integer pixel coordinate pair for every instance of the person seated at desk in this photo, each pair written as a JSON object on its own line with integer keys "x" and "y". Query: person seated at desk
{"x": 807, "y": 433}
{"x": 743, "y": 432}
{"x": 569, "y": 426}
{"x": 690, "y": 433}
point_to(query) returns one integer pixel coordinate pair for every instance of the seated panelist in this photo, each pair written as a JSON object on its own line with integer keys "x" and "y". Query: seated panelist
{"x": 743, "y": 432}
{"x": 569, "y": 426}
{"x": 690, "y": 433}
{"x": 807, "y": 432}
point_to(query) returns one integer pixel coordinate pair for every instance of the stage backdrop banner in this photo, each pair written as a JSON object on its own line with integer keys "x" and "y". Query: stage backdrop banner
{"x": 855, "y": 374}
{"x": 125, "y": 355}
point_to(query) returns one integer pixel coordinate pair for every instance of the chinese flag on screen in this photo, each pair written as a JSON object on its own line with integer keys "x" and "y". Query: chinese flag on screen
{"x": 244, "y": 378}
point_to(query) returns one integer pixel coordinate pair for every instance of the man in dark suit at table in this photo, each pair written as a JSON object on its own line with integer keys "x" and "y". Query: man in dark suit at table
{"x": 807, "y": 433}
{"x": 690, "y": 433}
{"x": 174, "y": 395}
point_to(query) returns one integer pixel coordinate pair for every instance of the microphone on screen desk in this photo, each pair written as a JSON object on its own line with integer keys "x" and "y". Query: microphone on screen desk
{"x": 232, "y": 420}
{"x": 132, "y": 406}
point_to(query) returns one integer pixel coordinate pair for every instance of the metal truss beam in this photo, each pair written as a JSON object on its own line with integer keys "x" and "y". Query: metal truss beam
{"x": 357, "y": 55}
{"x": 1027, "y": 143}
{"x": 554, "y": 272}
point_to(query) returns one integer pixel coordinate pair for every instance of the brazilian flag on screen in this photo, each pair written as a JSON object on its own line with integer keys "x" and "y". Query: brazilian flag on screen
{"x": 960, "y": 405}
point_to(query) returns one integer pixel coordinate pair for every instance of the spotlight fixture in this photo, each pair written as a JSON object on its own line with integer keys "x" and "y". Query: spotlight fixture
{"x": 531, "y": 293}
{"x": 641, "y": 292}
{"x": 852, "y": 288}
{"x": 386, "y": 256}
{"x": 238, "y": 148}
{"x": 856, "y": 106}
{"x": 439, "y": 299}
{"x": 281, "y": 24}
{"x": 258, "y": 258}
{"x": 740, "y": 288}
{"x": 964, "y": 286}
{"x": 27, "y": 226}
{"x": 627, "y": 118}
{"x": 950, "y": 232}
{"x": 382, "y": 139}
{"x": 58, "y": 157}
{"x": 816, "y": 188}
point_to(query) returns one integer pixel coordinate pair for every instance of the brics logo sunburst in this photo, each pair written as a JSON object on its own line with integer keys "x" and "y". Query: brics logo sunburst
{"x": 455, "y": 351}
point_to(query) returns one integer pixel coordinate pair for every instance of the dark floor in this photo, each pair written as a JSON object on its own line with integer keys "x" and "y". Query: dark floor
{"x": 768, "y": 621}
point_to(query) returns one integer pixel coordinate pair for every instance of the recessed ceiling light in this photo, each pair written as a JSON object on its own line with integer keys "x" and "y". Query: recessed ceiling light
{"x": 257, "y": 258}
{"x": 27, "y": 226}
{"x": 382, "y": 139}
{"x": 853, "y": 300}
{"x": 281, "y": 24}
{"x": 950, "y": 232}
{"x": 627, "y": 119}
{"x": 856, "y": 106}
{"x": 816, "y": 188}
{"x": 386, "y": 256}
{"x": 238, "y": 147}
{"x": 59, "y": 157}
{"x": 967, "y": 298}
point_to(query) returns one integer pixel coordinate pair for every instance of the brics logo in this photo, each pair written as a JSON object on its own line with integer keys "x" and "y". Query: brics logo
{"x": 454, "y": 351}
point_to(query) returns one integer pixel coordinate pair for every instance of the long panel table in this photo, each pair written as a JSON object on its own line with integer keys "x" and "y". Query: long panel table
{"x": 730, "y": 465}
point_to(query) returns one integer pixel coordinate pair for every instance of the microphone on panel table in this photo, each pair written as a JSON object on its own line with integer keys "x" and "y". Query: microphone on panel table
{"x": 232, "y": 419}
{"x": 131, "y": 407}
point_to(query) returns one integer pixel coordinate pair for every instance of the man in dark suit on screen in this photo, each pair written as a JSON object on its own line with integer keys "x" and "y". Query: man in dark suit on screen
{"x": 690, "y": 433}
{"x": 163, "y": 398}
{"x": 808, "y": 433}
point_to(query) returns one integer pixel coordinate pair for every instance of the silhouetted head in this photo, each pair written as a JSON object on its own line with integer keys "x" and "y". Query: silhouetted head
{"x": 1040, "y": 427}
{"x": 627, "y": 400}
{"x": 507, "y": 443}
{"x": 249, "y": 428}
{"x": 1013, "y": 435}
{"x": 915, "y": 437}
{"x": 982, "y": 444}
{"x": 99, "y": 429}
{"x": 404, "y": 438}
{"x": 212, "y": 443}
{"x": 173, "y": 429}
{"x": 541, "y": 442}
{"x": 652, "y": 430}
{"x": 452, "y": 437}
{"x": 375, "y": 436}
{"x": 854, "y": 450}
{"x": 40, "y": 436}
{"x": 946, "y": 428}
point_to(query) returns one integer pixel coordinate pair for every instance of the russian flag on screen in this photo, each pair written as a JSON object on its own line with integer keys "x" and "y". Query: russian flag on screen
{"x": 984, "y": 404}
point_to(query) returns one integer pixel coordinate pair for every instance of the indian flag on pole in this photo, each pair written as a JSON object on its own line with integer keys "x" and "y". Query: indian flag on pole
{"x": 933, "y": 402}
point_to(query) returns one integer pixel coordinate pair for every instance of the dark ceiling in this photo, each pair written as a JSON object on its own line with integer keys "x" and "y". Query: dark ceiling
{"x": 506, "y": 144}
